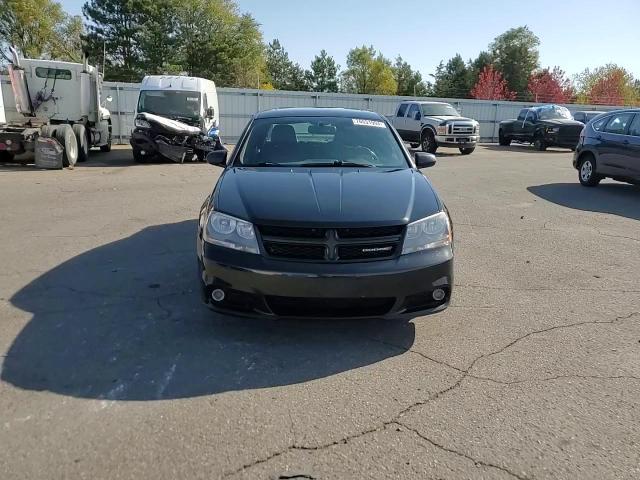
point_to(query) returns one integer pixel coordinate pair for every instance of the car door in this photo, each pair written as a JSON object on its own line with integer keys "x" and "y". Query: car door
{"x": 519, "y": 123}
{"x": 400, "y": 121}
{"x": 632, "y": 149}
{"x": 613, "y": 144}
{"x": 413, "y": 122}
{"x": 529, "y": 125}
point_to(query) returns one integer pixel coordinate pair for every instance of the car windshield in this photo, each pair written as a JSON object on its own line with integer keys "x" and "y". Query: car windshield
{"x": 321, "y": 142}
{"x": 551, "y": 112}
{"x": 174, "y": 104}
{"x": 439, "y": 110}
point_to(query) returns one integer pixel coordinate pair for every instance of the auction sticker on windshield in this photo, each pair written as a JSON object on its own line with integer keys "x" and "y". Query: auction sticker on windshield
{"x": 368, "y": 123}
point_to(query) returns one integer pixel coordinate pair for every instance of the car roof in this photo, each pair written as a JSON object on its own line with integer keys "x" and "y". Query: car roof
{"x": 591, "y": 111}
{"x": 319, "y": 112}
{"x": 422, "y": 102}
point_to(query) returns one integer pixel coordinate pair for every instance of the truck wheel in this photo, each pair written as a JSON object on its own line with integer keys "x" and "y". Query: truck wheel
{"x": 587, "y": 172}
{"x": 467, "y": 151}
{"x": 83, "y": 142}
{"x": 64, "y": 134}
{"x": 503, "y": 140}
{"x": 107, "y": 148}
{"x": 428, "y": 142}
{"x": 539, "y": 143}
{"x": 48, "y": 131}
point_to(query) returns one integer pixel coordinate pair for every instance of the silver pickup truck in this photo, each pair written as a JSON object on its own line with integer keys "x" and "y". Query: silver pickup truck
{"x": 435, "y": 124}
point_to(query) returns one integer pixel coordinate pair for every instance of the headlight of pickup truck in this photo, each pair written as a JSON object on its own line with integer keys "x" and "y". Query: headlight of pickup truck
{"x": 441, "y": 129}
{"x": 553, "y": 129}
{"x": 230, "y": 232}
{"x": 142, "y": 123}
{"x": 430, "y": 232}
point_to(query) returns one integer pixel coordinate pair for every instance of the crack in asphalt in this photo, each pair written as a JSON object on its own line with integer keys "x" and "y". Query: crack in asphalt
{"x": 556, "y": 377}
{"x": 395, "y": 420}
{"x": 460, "y": 454}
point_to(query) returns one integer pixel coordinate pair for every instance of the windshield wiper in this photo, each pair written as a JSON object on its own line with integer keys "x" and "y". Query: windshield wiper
{"x": 335, "y": 163}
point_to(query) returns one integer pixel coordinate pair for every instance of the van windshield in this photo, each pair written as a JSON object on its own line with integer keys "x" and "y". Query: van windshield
{"x": 174, "y": 104}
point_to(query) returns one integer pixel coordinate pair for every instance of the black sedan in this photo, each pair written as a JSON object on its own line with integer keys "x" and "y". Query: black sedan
{"x": 324, "y": 213}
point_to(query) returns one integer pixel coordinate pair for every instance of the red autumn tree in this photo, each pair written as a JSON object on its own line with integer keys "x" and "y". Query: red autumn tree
{"x": 491, "y": 86}
{"x": 609, "y": 90}
{"x": 608, "y": 85}
{"x": 550, "y": 86}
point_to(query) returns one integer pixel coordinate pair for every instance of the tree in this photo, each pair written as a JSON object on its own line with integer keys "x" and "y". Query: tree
{"x": 283, "y": 72}
{"x": 475, "y": 67}
{"x": 491, "y": 86}
{"x": 409, "y": 81}
{"x": 114, "y": 26}
{"x": 323, "y": 76}
{"x": 608, "y": 85}
{"x": 452, "y": 80}
{"x": 215, "y": 41}
{"x": 550, "y": 86}
{"x": 515, "y": 54}
{"x": 39, "y": 29}
{"x": 158, "y": 39}
{"x": 368, "y": 72}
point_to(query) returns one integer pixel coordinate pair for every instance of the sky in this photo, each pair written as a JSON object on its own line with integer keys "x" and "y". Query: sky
{"x": 574, "y": 34}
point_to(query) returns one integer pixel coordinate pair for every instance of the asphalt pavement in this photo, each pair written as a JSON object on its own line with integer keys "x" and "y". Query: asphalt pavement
{"x": 112, "y": 369}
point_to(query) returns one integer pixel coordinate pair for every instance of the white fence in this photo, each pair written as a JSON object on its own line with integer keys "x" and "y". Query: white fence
{"x": 238, "y": 105}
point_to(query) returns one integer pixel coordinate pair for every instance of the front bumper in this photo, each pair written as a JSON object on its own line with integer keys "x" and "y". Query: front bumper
{"x": 256, "y": 285}
{"x": 457, "y": 141}
{"x": 555, "y": 140}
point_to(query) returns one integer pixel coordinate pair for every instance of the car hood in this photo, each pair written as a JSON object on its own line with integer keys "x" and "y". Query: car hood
{"x": 557, "y": 122}
{"x": 325, "y": 196}
{"x": 450, "y": 119}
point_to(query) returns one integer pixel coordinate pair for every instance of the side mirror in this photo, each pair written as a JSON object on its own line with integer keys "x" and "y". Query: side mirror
{"x": 417, "y": 116}
{"x": 211, "y": 112}
{"x": 109, "y": 99}
{"x": 425, "y": 160}
{"x": 217, "y": 157}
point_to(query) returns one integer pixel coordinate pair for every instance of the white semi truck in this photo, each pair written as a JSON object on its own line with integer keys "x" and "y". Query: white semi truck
{"x": 59, "y": 113}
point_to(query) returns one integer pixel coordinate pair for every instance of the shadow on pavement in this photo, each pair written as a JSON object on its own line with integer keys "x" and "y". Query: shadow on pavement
{"x": 522, "y": 148}
{"x": 124, "y": 321}
{"x": 614, "y": 198}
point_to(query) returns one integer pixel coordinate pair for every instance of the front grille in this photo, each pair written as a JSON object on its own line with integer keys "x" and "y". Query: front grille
{"x": 293, "y": 250}
{"x": 370, "y": 232}
{"x": 462, "y": 129}
{"x": 293, "y": 232}
{"x": 570, "y": 131}
{"x": 329, "y": 307}
{"x": 320, "y": 244}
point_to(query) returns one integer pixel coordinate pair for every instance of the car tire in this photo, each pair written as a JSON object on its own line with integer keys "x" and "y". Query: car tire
{"x": 587, "y": 172}
{"x": 64, "y": 134}
{"x": 83, "y": 142}
{"x": 503, "y": 140}
{"x": 539, "y": 143}
{"x": 467, "y": 151}
{"x": 428, "y": 142}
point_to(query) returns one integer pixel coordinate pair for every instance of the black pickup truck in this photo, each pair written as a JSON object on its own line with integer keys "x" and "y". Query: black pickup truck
{"x": 545, "y": 126}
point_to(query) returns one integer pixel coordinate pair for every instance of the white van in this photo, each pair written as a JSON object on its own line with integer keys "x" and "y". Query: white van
{"x": 177, "y": 117}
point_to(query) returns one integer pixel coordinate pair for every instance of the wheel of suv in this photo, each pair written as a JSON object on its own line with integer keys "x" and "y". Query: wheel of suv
{"x": 539, "y": 143}
{"x": 428, "y": 142}
{"x": 587, "y": 172}
{"x": 503, "y": 140}
{"x": 467, "y": 151}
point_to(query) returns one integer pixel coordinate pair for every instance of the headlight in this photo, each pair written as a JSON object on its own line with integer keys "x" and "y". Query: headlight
{"x": 441, "y": 129}
{"x": 142, "y": 123}
{"x": 430, "y": 232}
{"x": 231, "y": 232}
